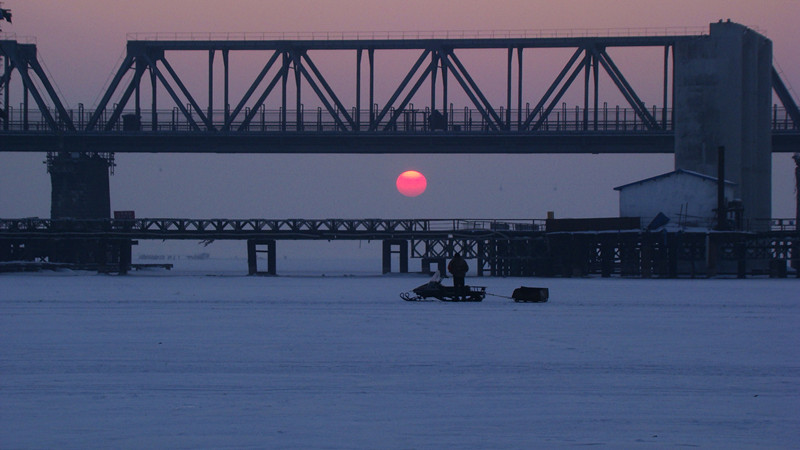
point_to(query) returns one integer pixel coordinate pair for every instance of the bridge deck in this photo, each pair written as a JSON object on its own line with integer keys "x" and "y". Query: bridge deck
{"x": 307, "y": 229}
{"x": 240, "y": 229}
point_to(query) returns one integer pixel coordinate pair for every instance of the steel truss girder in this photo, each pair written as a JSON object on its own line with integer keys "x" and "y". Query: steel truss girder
{"x": 589, "y": 56}
{"x": 147, "y": 54}
{"x": 589, "y": 64}
{"x": 23, "y": 59}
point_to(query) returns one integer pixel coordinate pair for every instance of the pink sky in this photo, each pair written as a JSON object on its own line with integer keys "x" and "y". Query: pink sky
{"x": 81, "y": 40}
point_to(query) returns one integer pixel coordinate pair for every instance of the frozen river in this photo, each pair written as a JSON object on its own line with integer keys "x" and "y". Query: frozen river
{"x": 199, "y": 358}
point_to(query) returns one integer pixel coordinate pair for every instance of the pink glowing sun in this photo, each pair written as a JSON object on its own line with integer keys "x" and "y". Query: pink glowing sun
{"x": 411, "y": 183}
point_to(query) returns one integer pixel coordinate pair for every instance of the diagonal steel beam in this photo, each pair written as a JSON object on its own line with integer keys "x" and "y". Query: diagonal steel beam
{"x": 626, "y": 89}
{"x": 469, "y": 93}
{"x": 252, "y": 89}
{"x": 126, "y": 65}
{"x": 316, "y": 89}
{"x": 22, "y": 57}
{"x": 171, "y": 92}
{"x": 37, "y": 97}
{"x": 785, "y": 97}
{"x": 399, "y": 110}
{"x": 560, "y": 93}
{"x": 328, "y": 89}
{"x": 187, "y": 94}
{"x": 7, "y": 74}
{"x": 137, "y": 76}
{"x": 64, "y": 116}
{"x": 552, "y": 88}
{"x": 254, "y": 110}
{"x": 475, "y": 88}
{"x": 400, "y": 89}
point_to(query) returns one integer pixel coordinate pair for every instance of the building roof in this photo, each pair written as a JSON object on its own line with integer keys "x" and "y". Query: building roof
{"x": 675, "y": 172}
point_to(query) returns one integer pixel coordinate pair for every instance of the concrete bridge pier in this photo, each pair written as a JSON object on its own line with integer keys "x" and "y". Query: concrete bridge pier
{"x": 256, "y": 246}
{"x": 80, "y": 192}
{"x": 395, "y": 246}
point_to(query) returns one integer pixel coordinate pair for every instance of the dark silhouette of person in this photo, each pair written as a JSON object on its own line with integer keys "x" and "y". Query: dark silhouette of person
{"x": 458, "y": 267}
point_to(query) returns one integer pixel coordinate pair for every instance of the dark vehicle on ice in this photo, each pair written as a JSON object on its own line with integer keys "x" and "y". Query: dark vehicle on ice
{"x": 435, "y": 289}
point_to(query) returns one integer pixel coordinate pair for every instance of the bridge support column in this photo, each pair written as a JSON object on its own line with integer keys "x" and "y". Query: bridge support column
{"x": 723, "y": 92}
{"x": 80, "y": 191}
{"x": 256, "y": 246}
{"x": 125, "y": 249}
{"x": 392, "y": 246}
{"x": 607, "y": 250}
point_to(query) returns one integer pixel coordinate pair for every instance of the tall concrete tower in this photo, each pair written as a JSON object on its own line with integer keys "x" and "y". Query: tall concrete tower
{"x": 723, "y": 92}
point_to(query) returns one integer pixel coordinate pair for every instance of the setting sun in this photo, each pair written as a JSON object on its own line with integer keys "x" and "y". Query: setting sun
{"x": 411, "y": 183}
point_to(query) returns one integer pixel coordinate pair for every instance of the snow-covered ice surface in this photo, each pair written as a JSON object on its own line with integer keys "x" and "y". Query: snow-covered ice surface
{"x": 212, "y": 358}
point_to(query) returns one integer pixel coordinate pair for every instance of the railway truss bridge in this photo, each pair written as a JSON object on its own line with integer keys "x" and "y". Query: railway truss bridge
{"x": 712, "y": 89}
{"x": 454, "y": 94}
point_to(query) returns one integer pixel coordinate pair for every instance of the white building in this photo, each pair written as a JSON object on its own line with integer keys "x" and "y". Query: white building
{"x": 687, "y": 198}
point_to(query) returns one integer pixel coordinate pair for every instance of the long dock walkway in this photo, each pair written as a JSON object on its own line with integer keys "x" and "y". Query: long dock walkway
{"x": 514, "y": 247}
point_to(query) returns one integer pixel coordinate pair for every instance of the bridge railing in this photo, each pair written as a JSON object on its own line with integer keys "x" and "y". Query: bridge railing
{"x": 409, "y": 120}
{"x": 307, "y": 228}
{"x": 417, "y": 35}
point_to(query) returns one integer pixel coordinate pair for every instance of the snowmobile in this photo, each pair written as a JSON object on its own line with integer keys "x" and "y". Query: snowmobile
{"x": 435, "y": 289}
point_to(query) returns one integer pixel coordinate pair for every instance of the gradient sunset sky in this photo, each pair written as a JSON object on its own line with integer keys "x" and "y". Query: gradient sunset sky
{"x": 81, "y": 42}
